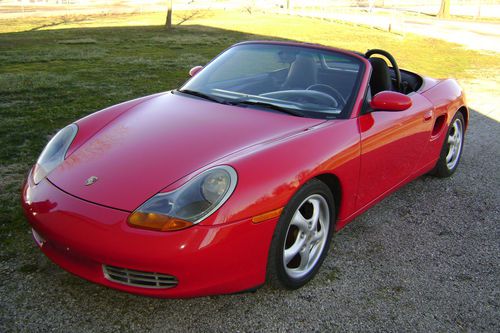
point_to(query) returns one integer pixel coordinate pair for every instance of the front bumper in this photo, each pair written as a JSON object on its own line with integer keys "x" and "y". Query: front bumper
{"x": 81, "y": 237}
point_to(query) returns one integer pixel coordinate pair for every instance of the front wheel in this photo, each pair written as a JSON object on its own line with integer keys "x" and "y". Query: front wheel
{"x": 452, "y": 148}
{"x": 302, "y": 236}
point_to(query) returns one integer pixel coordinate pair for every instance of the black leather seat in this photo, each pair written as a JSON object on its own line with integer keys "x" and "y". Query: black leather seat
{"x": 381, "y": 78}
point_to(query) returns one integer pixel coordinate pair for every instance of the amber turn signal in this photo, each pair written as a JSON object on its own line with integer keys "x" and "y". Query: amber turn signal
{"x": 157, "y": 222}
{"x": 267, "y": 216}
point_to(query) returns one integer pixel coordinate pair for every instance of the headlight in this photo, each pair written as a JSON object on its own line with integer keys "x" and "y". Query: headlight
{"x": 188, "y": 205}
{"x": 54, "y": 153}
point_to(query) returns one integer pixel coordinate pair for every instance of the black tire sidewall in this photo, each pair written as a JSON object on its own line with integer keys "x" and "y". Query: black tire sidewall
{"x": 277, "y": 275}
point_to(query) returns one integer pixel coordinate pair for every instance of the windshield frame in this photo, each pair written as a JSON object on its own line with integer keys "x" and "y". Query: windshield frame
{"x": 357, "y": 58}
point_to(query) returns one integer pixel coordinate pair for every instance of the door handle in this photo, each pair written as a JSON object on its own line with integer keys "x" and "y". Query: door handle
{"x": 428, "y": 116}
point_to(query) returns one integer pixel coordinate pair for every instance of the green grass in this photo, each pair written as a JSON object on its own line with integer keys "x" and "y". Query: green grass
{"x": 56, "y": 70}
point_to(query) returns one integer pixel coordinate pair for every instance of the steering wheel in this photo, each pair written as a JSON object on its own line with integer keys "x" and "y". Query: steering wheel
{"x": 393, "y": 62}
{"x": 304, "y": 96}
{"x": 341, "y": 102}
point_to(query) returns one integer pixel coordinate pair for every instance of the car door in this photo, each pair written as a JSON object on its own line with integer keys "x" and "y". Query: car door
{"x": 392, "y": 143}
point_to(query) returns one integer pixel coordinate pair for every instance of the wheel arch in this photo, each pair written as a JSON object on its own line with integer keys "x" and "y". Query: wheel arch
{"x": 465, "y": 113}
{"x": 333, "y": 183}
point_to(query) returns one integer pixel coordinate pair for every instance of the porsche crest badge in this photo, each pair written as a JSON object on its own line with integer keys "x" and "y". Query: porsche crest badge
{"x": 91, "y": 180}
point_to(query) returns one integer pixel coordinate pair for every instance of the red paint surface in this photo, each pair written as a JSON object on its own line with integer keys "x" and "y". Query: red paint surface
{"x": 144, "y": 149}
{"x": 82, "y": 236}
{"x": 390, "y": 101}
{"x": 159, "y": 142}
{"x": 391, "y": 148}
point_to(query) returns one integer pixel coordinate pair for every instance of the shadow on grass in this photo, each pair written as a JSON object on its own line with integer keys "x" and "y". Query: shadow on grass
{"x": 60, "y": 21}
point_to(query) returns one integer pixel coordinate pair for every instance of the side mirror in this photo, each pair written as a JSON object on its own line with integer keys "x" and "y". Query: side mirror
{"x": 193, "y": 71}
{"x": 390, "y": 101}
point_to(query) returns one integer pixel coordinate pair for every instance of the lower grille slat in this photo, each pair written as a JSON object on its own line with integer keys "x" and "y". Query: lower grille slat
{"x": 139, "y": 278}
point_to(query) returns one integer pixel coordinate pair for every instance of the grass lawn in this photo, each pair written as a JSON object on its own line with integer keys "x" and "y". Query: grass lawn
{"x": 67, "y": 68}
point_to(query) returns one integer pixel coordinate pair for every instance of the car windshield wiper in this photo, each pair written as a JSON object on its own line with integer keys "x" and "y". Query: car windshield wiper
{"x": 269, "y": 106}
{"x": 242, "y": 102}
{"x": 202, "y": 95}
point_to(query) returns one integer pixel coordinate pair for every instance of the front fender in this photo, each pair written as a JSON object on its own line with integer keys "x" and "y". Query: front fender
{"x": 269, "y": 175}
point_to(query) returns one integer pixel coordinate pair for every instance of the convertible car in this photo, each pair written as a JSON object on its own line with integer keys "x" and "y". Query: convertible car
{"x": 243, "y": 174}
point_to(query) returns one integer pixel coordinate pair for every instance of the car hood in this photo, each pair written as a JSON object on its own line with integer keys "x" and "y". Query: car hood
{"x": 161, "y": 140}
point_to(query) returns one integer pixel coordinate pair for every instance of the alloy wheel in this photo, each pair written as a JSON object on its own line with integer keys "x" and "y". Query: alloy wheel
{"x": 306, "y": 236}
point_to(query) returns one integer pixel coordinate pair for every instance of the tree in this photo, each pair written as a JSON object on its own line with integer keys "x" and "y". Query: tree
{"x": 444, "y": 10}
{"x": 168, "y": 23}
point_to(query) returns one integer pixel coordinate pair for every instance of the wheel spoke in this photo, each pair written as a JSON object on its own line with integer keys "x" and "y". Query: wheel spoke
{"x": 451, "y": 139}
{"x": 450, "y": 154}
{"x": 300, "y": 222}
{"x": 292, "y": 251}
{"x": 317, "y": 236}
{"x": 304, "y": 258}
{"x": 315, "y": 216}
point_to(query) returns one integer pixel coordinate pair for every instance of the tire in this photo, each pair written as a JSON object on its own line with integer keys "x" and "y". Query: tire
{"x": 302, "y": 237}
{"x": 451, "y": 152}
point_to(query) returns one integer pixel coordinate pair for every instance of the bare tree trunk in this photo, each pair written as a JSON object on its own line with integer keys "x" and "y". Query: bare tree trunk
{"x": 168, "y": 23}
{"x": 444, "y": 11}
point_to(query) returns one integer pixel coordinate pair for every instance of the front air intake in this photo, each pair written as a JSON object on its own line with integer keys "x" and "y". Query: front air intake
{"x": 135, "y": 278}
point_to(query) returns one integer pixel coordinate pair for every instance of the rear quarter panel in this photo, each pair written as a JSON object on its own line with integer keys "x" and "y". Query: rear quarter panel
{"x": 447, "y": 97}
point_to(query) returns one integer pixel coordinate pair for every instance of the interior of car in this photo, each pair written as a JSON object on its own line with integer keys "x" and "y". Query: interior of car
{"x": 309, "y": 79}
{"x": 309, "y": 74}
{"x": 302, "y": 77}
{"x": 391, "y": 78}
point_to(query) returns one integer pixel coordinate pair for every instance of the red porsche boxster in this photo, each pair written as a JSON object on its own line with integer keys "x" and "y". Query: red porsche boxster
{"x": 243, "y": 174}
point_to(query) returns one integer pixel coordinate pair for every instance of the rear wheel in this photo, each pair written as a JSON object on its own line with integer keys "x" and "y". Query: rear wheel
{"x": 452, "y": 148}
{"x": 302, "y": 237}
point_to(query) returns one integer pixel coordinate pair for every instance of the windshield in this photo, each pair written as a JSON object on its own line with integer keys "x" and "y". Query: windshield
{"x": 299, "y": 80}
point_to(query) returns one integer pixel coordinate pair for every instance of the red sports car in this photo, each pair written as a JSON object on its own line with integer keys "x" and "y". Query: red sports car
{"x": 243, "y": 174}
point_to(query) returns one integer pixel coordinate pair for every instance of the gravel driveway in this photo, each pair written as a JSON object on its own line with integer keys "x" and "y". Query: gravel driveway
{"x": 425, "y": 259}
